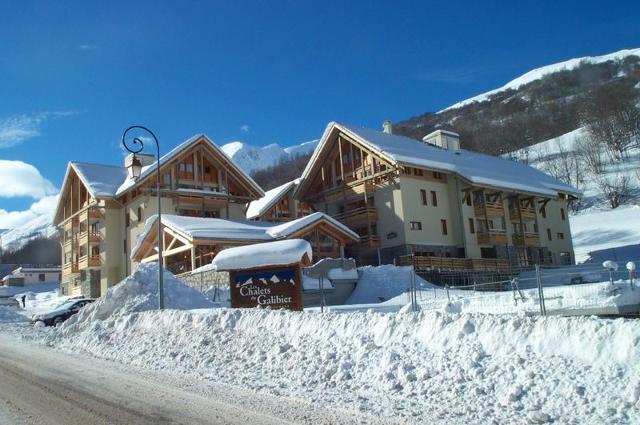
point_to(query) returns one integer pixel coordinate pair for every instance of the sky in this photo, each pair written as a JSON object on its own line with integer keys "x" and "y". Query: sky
{"x": 74, "y": 75}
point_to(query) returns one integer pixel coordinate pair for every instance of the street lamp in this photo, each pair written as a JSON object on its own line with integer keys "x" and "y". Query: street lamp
{"x": 134, "y": 169}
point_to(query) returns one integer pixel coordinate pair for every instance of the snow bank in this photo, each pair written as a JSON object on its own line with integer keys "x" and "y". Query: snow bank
{"x": 430, "y": 367}
{"x": 139, "y": 292}
{"x": 9, "y": 315}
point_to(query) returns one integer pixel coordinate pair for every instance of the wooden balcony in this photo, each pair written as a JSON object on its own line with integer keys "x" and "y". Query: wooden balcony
{"x": 371, "y": 241}
{"x": 89, "y": 237}
{"x": 356, "y": 216}
{"x": 86, "y": 261}
{"x": 528, "y": 239}
{"x": 91, "y": 214}
{"x": 492, "y": 209}
{"x": 349, "y": 191}
{"x": 70, "y": 223}
{"x": 446, "y": 263}
{"x": 492, "y": 237}
{"x": 70, "y": 268}
{"x": 527, "y": 213}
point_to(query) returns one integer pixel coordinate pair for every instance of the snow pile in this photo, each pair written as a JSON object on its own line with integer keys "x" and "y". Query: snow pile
{"x": 381, "y": 283}
{"x": 9, "y": 315}
{"x": 428, "y": 367}
{"x": 139, "y": 292}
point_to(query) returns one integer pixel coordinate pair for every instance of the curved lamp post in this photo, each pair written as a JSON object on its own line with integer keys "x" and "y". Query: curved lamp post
{"x": 134, "y": 169}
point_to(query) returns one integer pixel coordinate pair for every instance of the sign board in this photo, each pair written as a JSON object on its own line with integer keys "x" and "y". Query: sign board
{"x": 267, "y": 287}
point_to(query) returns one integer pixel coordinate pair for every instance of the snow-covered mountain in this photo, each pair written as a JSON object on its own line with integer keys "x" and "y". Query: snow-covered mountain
{"x": 539, "y": 105}
{"x": 39, "y": 226}
{"x": 252, "y": 158}
{"x": 538, "y": 73}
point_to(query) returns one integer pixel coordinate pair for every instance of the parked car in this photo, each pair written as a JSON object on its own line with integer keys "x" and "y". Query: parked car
{"x": 61, "y": 312}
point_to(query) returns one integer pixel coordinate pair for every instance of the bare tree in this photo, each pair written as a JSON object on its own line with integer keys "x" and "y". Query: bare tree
{"x": 591, "y": 154}
{"x": 614, "y": 120}
{"x": 615, "y": 188}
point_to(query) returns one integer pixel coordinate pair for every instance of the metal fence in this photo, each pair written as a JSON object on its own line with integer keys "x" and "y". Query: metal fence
{"x": 579, "y": 289}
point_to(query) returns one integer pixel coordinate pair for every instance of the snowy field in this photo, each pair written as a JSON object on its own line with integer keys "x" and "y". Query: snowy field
{"x": 441, "y": 366}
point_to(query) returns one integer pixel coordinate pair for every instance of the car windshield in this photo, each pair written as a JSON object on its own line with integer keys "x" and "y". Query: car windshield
{"x": 65, "y": 304}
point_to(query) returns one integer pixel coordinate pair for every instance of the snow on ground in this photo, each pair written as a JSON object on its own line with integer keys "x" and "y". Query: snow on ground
{"x": 598, "y": 230}
{"x": 430, "y": 367}
{"x": 10, "y": 315}
{"x": 425, "y": 367}
{"x": 381, "y": 283}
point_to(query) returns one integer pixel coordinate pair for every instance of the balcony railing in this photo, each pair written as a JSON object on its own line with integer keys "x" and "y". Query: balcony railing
{"x": 527, "y": 213}
{"x": 528, "y": 239}
{"x": 492, "y": 209}
{"x": 447, "y": 263}
{"x": 92, "y": 214}
{"x": 70, "y": 268}
{"x": 372, "y": 241}
{"x": 350, "y": 191}
{"x": 358, "y": 215}
{"x": 88, "y": 261}
{"x": 91, "y": 236}
{"x": 492, "y": 237}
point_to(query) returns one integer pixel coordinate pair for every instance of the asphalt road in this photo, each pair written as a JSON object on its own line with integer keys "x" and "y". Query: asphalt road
{"x": 39, "y": 385}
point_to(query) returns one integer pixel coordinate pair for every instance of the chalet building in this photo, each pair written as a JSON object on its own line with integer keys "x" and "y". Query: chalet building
{"x": 279, "y": 204}
{"x": 101, "y": 211}
{"x": 193, "y": 242}
{"x": 446, "y": 205}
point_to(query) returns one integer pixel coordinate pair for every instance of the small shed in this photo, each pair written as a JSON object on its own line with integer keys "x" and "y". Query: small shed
{"x": 266, "y": 274}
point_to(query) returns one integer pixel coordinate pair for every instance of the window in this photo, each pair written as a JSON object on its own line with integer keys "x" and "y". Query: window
{"x": 423, "y": 195}
{"x": 472, "y": 227}
{"x": 443, "y": 223}
{"x": 139, "y": 214}
{"x": 417, "y": 171}
{"x": 416, "y": 225}
{"x": 434, "y": 198}
{"x": 549, "y": 234}
{"x": 438, "y": 175}
{"x": 560, "y": 235}
{"x": 543, "y": 211}
{"x": 166, "y": 178}
{"x": 127, "y": 220}
{"x": 562, "y": 216}
{"x": 467, "y": 199}
{"x": 41, "y": 277}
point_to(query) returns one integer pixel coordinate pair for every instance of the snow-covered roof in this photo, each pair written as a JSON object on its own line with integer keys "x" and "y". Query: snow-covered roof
{"x": 109, "y": 181}
{"x": 102, "y": 181}
{"x": 278, "y": 253}
{"x": 477, "y": 168}
{"x": 270, "y": 198}
{"x": 237, "y": 230}
{"x": 149, "y": 169}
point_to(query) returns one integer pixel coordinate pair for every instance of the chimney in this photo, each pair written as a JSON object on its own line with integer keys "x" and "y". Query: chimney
{"x": 443, "y": 139}
{"x": 387, "y": 127}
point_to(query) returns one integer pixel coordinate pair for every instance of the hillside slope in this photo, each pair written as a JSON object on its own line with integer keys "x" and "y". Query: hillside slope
{"x": 541, "y": 104}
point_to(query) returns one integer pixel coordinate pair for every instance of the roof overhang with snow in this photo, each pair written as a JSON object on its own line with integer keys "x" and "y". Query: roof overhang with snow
{"x": 475, "y": 168}
{"x": 268, "y": 254}
{"x": 211, "y": 231}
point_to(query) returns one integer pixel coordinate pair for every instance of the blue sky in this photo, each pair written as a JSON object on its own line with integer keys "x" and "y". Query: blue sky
{"x": 73, "y": 75}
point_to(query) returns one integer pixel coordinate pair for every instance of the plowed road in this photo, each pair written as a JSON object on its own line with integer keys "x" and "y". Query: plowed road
{"x": 39, "y": 385}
